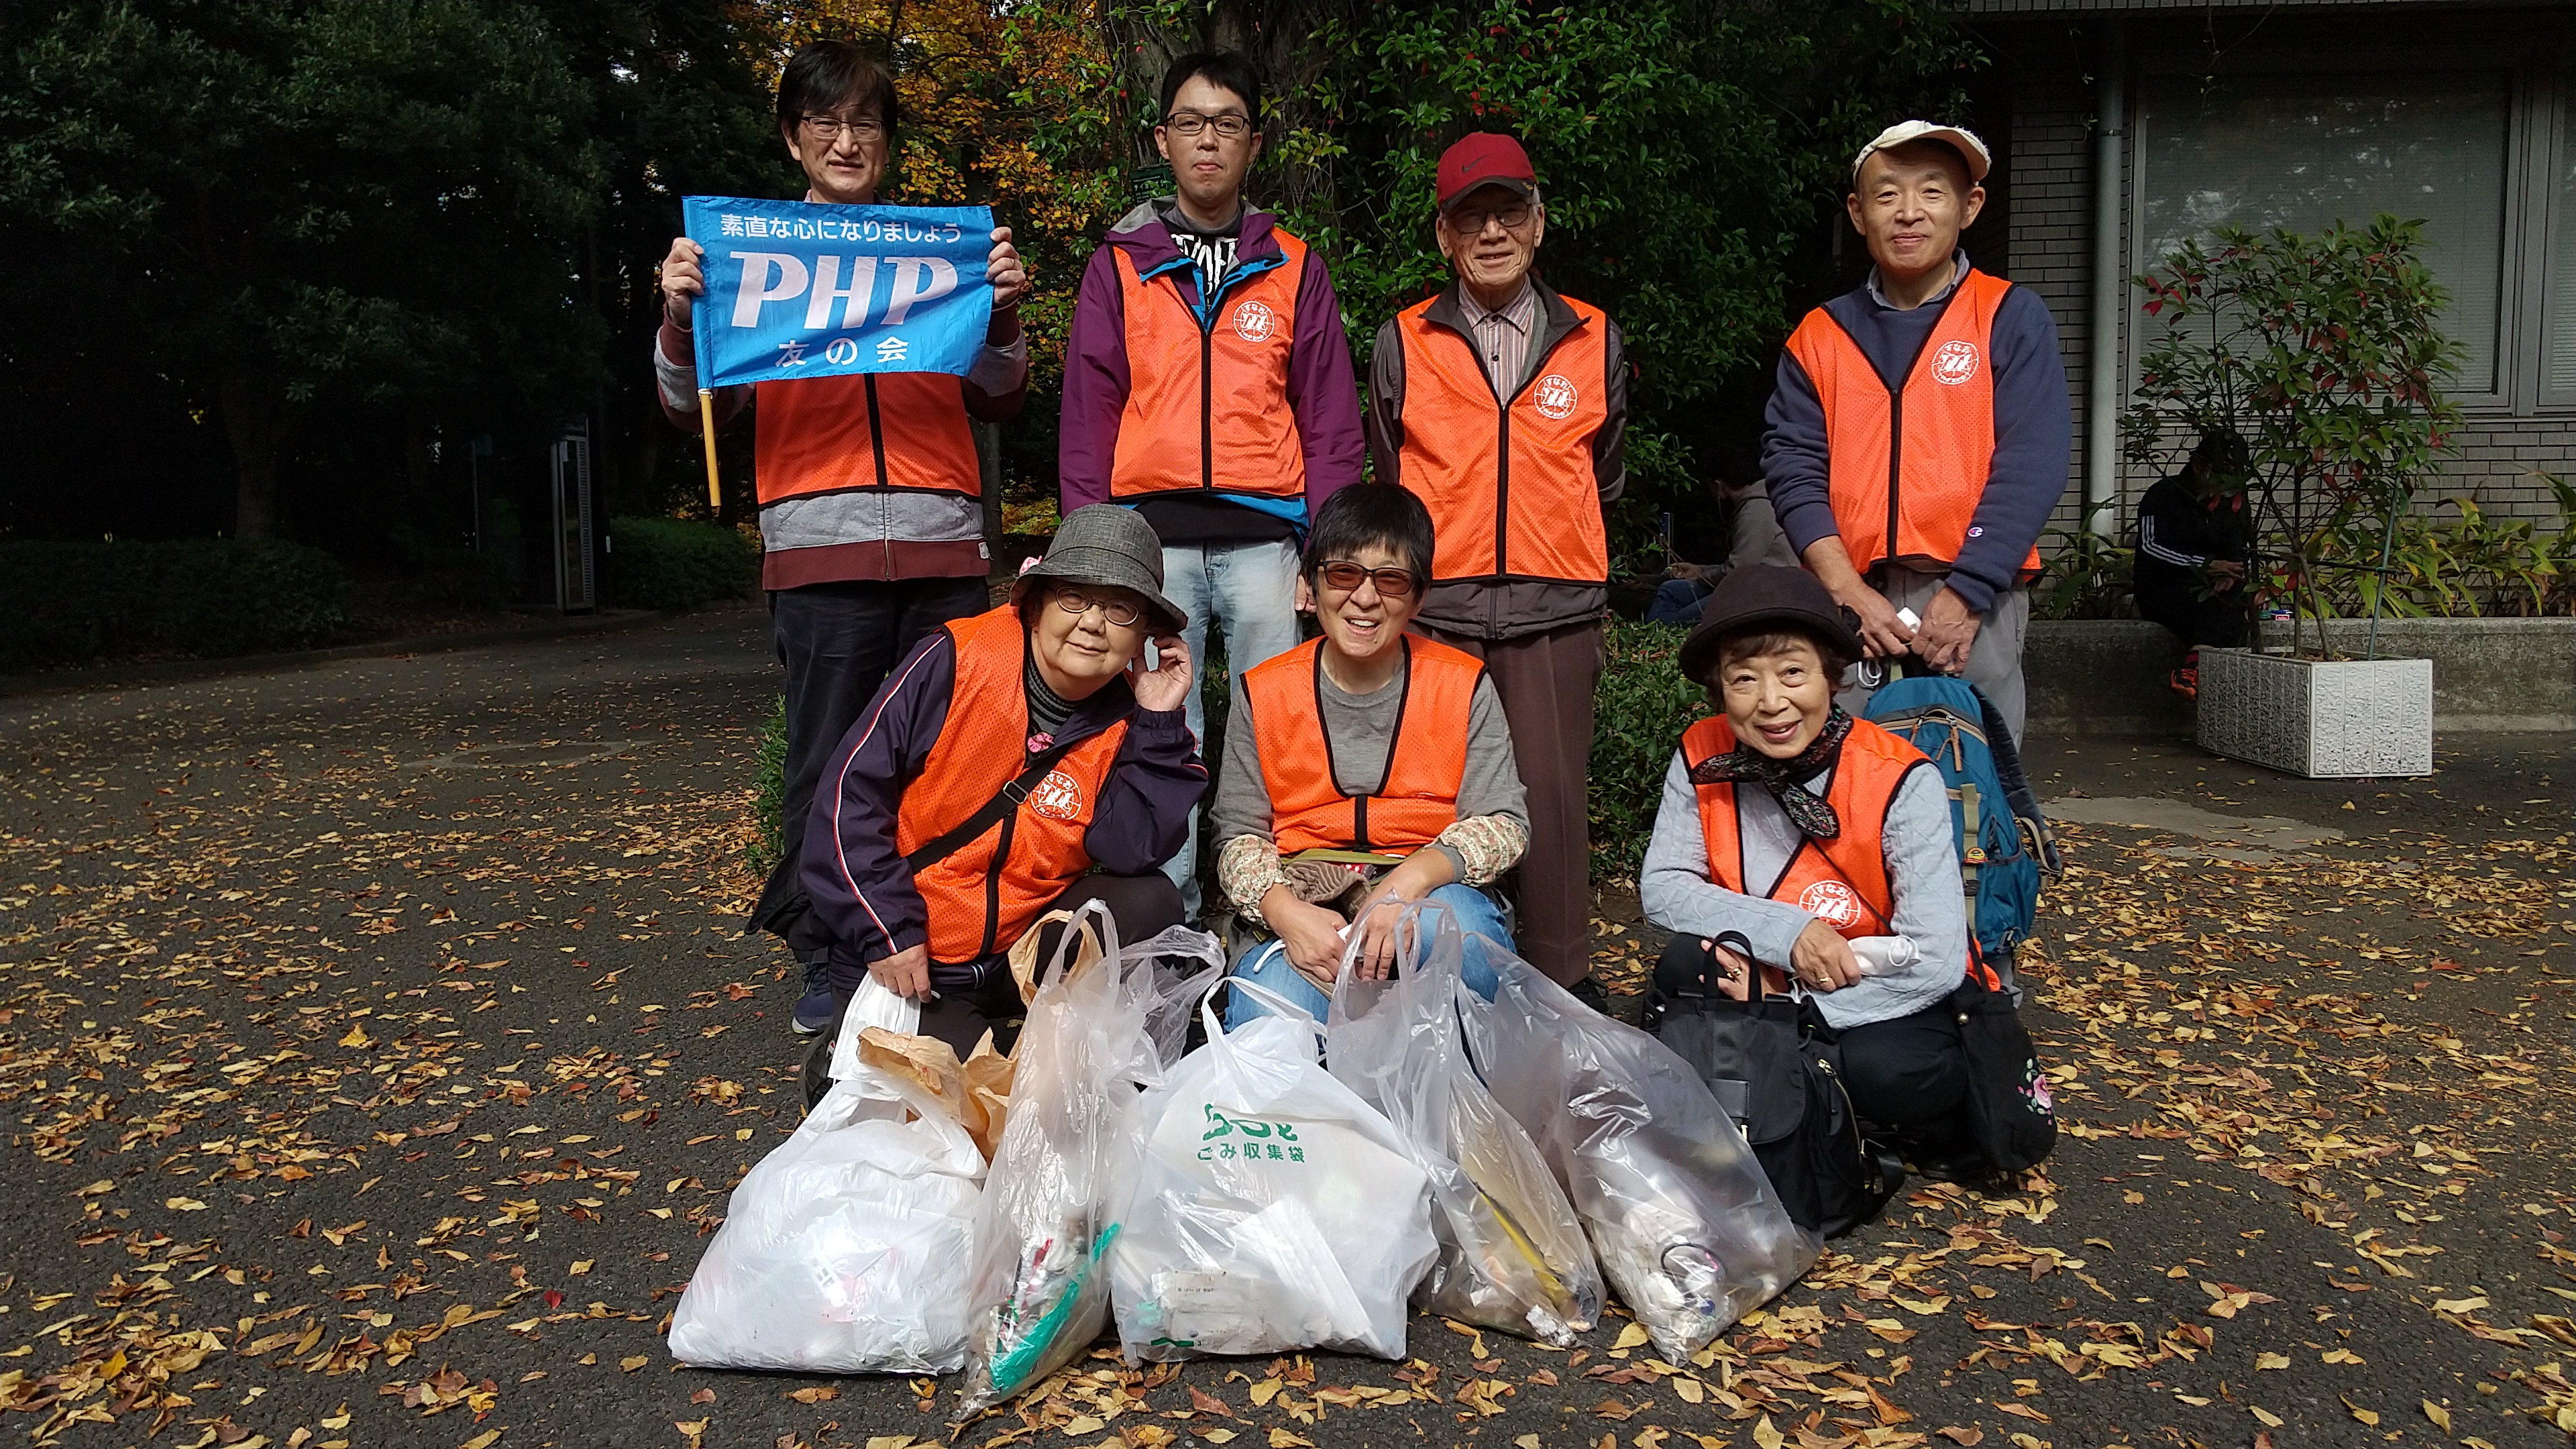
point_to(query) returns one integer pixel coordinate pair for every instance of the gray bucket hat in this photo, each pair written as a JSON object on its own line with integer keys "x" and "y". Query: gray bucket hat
{"x": 1109, "y": 546}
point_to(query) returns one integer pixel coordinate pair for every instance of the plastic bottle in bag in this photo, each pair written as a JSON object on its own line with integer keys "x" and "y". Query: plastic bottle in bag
{"x": 1066, "y": 1162}
{"x": 1687, "y": 1227}
{"x": 1512, "y": 1255}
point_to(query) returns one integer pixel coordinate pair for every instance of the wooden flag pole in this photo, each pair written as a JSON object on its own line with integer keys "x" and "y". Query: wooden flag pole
{"x": 707, "y": 427}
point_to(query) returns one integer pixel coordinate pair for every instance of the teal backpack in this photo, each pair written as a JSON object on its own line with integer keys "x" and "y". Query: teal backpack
{"x": 2004, "y": 844}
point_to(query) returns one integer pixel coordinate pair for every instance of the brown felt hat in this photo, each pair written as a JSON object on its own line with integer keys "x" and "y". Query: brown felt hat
{"x": 1760, "y": 596}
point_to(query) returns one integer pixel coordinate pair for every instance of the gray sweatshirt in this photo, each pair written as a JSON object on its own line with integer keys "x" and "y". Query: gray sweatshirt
{"x": 1922, "y": 872}
{"x": 1362, "y": 727}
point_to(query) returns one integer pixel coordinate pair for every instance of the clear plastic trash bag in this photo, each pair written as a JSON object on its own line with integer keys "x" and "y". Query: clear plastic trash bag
{"x": 846, "y": 1249}
{"x": 1274, "y": 1210}
{"x": 1512, "y": 1255}
{"x": 1066, "y": 1162}
{"x": 1687, "y": 1227}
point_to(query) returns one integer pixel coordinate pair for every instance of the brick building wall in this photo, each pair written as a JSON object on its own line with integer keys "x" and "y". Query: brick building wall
{"x": 2500, "y": 459}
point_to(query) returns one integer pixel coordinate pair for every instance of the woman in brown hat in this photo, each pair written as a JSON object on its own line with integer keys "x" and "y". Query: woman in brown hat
{"x": 1011, "y": 755}
{"x": 1808, "y": 833}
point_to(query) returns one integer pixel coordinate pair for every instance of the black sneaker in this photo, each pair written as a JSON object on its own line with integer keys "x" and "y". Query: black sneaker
{"x": 1589, "y": 992}
{"x": 816, "y": 1010}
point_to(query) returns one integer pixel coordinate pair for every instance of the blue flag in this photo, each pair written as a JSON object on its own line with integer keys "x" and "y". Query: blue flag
{"x": 799, "y": 289}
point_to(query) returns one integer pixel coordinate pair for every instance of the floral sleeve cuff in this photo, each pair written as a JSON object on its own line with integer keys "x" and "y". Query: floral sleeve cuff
{"x": 1485, "y": 846}
{"x": 1246, "y": 868}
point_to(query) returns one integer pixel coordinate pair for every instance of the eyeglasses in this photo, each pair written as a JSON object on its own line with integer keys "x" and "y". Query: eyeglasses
{"x": 1230, "y": 124}
{"x": 1514, "y": 216}
{"x": 1343, "y": 577}
{"x": 1123, "y": 612}
{"x": 828, "y": 129}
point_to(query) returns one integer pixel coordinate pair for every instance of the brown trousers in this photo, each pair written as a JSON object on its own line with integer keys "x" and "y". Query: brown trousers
{"x": 1545, "y": 682}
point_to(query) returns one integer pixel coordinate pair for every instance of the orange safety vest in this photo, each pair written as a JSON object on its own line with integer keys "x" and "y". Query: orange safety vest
{"x": 902, "y": 430}
{"x": 1207, "y": 398}
{"x": 985, "y": 895}
{"x": 1510, "y": 483}
{"x": 1415, "y": 799}
{"x": 1843, "y": 881}
{"x": 1906, "y": 465}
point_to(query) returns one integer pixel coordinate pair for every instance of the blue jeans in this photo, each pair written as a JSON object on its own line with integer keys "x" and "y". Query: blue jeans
{"x": 1253, "y": 588}
{"x": 1678, "y": 601}
{"x": 1265, "y": 963}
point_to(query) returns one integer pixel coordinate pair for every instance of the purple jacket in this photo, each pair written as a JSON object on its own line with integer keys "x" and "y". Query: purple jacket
{"x": 1321, "y": 389}
{"x": 857, "y": 879}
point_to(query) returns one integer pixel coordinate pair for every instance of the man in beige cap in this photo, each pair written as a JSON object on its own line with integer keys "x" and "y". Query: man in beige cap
{"x": 1918, "y": 434}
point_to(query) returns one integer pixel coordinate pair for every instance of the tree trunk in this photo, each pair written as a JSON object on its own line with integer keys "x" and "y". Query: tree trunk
{"x": 255, "y": 421}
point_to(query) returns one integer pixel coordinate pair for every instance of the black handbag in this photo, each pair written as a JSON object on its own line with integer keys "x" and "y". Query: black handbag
{"x": 1777, "y": 1070}
{"x": 2010, "y": 1113}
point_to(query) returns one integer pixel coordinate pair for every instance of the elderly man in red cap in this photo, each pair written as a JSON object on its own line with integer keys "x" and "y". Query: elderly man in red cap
{"x": 1503, "y": 404}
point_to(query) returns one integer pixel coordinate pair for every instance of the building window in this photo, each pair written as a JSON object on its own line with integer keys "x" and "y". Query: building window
{"x": 2301, "y": 151}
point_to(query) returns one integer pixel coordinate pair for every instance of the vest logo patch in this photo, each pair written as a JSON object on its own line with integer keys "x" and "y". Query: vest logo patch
{"x": 1057, "y": 797}
{"x": 1254, "y": 321}
{"x": 1554, "y": 397}
{"x": 1832, "y": 902}
{"x": 1954, "y": 363}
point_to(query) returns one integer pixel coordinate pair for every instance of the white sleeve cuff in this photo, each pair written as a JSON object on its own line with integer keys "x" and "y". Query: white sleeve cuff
{"x": 678, "y": 381}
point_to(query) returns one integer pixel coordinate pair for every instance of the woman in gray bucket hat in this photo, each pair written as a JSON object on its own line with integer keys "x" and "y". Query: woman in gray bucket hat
{"x": 1019, "y": 761}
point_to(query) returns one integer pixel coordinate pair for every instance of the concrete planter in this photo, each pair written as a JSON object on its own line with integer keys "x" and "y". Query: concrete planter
{"x": 2331, "y": 719}
{"x": 2096, "y": 678}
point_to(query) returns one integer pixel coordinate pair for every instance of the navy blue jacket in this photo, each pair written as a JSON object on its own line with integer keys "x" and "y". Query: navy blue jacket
{"x": 2034, "y": 432}
{"x": 860, "y": 887}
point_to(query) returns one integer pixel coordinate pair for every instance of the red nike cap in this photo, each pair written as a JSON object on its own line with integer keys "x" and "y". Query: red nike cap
{"x": 1485, "y": 159}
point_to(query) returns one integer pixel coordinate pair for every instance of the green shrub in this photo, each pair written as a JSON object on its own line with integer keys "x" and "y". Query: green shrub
{"x": 769, "y": 791}
{"x": 1638, "y": 714}
{"x": 671, "y": 563}
{"x": 69, "y": 602}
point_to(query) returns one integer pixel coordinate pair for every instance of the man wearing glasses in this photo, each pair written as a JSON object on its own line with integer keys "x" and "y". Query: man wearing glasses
{"x": 1504, "y": 403}
{"x": 871, "y": 512}
{"x": 1207, "y": 381}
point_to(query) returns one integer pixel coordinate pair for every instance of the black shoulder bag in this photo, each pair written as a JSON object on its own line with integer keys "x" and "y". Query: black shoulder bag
{"x": 2010, "y": 1114}
{"x": 1778, "y": 1071}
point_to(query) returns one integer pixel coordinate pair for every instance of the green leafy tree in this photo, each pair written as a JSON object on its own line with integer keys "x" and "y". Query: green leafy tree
{"x": 2326, "y": 354}
{"x": 1688, "y": 151}
{"x": 291, "y": 203}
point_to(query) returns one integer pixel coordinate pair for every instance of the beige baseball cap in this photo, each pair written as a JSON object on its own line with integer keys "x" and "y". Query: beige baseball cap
{"x": 1980, "y": 161}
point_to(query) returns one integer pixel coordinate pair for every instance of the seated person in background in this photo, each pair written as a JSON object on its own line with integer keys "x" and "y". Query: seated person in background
{"x": 1736, "y": 528}
{"x": 2195, "y": 538}
{"x": 1009, "y": 756}
{"x": 1787, "y": 820}
{"x": 1364, "y": 769}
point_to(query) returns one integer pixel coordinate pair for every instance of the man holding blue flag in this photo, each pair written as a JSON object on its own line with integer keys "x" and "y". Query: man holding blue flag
{"x": 871, "y": 512}
{"x": 1207, "y": 382}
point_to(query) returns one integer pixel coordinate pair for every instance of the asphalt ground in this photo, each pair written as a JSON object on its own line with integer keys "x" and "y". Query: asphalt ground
{"x": 377, "y": 1051}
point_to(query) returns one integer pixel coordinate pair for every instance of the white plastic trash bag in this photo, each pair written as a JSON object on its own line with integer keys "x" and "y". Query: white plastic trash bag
{"x": 1512, "y": 1256}
{"x": 1274, "y": 1210}
{"x": 846, "y": 1249}
{"x": 1066, "y": 1163}
{"x": 1687, "y": 1227}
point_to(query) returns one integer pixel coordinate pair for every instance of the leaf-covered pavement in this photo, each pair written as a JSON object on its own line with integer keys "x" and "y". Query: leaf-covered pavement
{"x": 376, "y": 1050}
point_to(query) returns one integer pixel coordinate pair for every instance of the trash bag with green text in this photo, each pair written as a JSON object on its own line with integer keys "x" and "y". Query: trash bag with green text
{"x": 1274, "y": 1210}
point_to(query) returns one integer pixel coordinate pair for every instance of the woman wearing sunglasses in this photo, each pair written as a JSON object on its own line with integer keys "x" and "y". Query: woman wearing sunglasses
{"x": 1364, "y": 769}
{"x": 1003, "y": 761}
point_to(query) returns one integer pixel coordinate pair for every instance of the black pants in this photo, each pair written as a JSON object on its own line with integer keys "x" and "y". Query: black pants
{"x": 839, "y": 641}
{"x": 2216, "y": 622}
{"x": 980, "y": 996}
